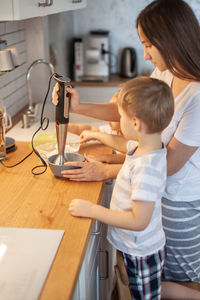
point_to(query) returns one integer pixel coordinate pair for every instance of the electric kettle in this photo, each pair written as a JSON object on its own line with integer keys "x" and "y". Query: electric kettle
{"x": 128, "y": 63}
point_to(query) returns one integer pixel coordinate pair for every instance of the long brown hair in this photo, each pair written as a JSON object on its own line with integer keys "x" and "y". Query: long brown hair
{"x": 172, "y": 27}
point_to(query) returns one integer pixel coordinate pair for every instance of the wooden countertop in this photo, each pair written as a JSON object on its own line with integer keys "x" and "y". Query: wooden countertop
{"x": 42, "y": 202}
{"x": 114, "y": 80}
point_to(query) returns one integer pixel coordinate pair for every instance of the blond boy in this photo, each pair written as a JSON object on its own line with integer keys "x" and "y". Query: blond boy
{"x": 146, "y": 107}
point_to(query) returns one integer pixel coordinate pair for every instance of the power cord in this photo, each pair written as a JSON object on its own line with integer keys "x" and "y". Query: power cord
{"x": 42, "y": 121}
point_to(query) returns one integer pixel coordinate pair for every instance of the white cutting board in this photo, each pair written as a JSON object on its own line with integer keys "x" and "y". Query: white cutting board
{"x": 26, "y": 256}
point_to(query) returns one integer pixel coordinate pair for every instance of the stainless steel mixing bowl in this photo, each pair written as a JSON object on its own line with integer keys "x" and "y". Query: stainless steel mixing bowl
{"x": 57, "y": 169}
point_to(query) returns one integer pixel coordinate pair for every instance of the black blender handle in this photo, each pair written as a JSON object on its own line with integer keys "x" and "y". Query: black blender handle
{"x": 62, "y": 108}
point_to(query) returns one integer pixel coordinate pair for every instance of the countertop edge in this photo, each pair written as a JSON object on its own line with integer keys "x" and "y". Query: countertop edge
{"x": 113, "y": 81}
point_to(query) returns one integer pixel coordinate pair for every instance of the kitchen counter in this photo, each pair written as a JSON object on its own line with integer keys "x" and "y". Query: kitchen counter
{"x": 114, "y": 80}
{"x": 29, "y": 201}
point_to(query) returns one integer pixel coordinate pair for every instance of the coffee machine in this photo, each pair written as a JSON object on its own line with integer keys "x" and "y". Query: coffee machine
{"x": 92, "y": 57}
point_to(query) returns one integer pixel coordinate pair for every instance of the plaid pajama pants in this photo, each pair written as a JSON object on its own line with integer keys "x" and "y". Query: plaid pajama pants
{"x": 145, "y": 275}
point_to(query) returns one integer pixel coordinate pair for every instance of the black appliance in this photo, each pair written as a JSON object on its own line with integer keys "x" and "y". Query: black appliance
{"x": 128, "y": 63}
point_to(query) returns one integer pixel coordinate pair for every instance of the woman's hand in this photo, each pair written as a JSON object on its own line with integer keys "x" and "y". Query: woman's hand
{"x": 91, "y": 170}
{"x": 74, "y": 97}
{"x": 80, "y": 208}
{"x": 88, "y": 171}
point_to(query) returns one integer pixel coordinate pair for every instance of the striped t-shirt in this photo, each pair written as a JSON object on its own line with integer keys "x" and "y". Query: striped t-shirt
{"x": 142, "y": 177}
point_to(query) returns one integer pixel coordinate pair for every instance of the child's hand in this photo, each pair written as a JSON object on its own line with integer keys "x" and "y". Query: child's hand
{"x": 87, "y": 135}
{"x": 80, "y": 208}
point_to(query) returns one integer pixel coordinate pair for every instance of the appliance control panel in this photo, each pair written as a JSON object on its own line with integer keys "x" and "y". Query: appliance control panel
{"x": 79, "y": 61}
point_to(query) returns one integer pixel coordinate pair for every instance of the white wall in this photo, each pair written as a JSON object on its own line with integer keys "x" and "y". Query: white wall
{"x": 37, "y": 45}
{"x": 61, "y": 39}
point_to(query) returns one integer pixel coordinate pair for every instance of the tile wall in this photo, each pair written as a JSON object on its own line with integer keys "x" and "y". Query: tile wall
{"x": 13, "y": 91}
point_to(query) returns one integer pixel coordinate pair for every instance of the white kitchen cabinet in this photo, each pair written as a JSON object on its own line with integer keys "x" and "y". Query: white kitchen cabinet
{"x": 87, "y": 287}
{"x": 107, "y": 259}
{"x": 96, "y": 277}
{"x": 11, "y": 10}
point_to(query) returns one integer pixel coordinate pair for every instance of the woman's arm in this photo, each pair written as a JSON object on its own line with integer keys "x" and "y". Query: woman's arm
{"x": 101, "y": 111}
{"x": 137, "y": 219}
{"x": 177, "y": 155}
{"x": 79, "y": 128}
{"x": 116, "y": 142}
{"x": 91, "y": 171}
{"x": 187, "y": 130}
{"x": 175, "y": 290}
{"x": 114, "y": 158}
{"x": 104, "y": 111}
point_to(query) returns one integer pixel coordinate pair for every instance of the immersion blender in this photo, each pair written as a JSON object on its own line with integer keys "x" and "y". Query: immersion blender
{"x": 62, "y": 117}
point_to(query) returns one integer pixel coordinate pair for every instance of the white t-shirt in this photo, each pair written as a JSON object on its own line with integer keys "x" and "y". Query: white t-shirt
{"x": 107, "y": 129}
{"x": 185, "y": 127}
{"x": 142, "y": 177}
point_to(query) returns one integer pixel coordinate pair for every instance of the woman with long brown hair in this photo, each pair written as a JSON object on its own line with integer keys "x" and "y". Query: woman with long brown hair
{"x": 170, "y": 34}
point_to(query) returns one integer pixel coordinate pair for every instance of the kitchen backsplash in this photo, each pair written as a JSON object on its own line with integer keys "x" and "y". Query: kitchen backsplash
{"x": 13, "y": 91}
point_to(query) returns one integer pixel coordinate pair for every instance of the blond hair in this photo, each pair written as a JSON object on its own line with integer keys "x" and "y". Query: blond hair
{"x": 150, "y": 100}
{"x": 113, "y": 99}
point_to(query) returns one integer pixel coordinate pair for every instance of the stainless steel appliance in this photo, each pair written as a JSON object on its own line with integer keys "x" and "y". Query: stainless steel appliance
{"x": 92, "y": 57}
{"x": 128, "y": 63}
{"x": 62, "y": 117}
{"x": 56, "y": 162}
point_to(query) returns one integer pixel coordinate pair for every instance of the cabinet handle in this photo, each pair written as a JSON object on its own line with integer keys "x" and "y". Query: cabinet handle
{"x": 46, "y": 3}
{"x": 95, "y": 233}
{"x": 97, "y": 229}
{"x": 107, "y": 264}
{"x": 109, "y": 181}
